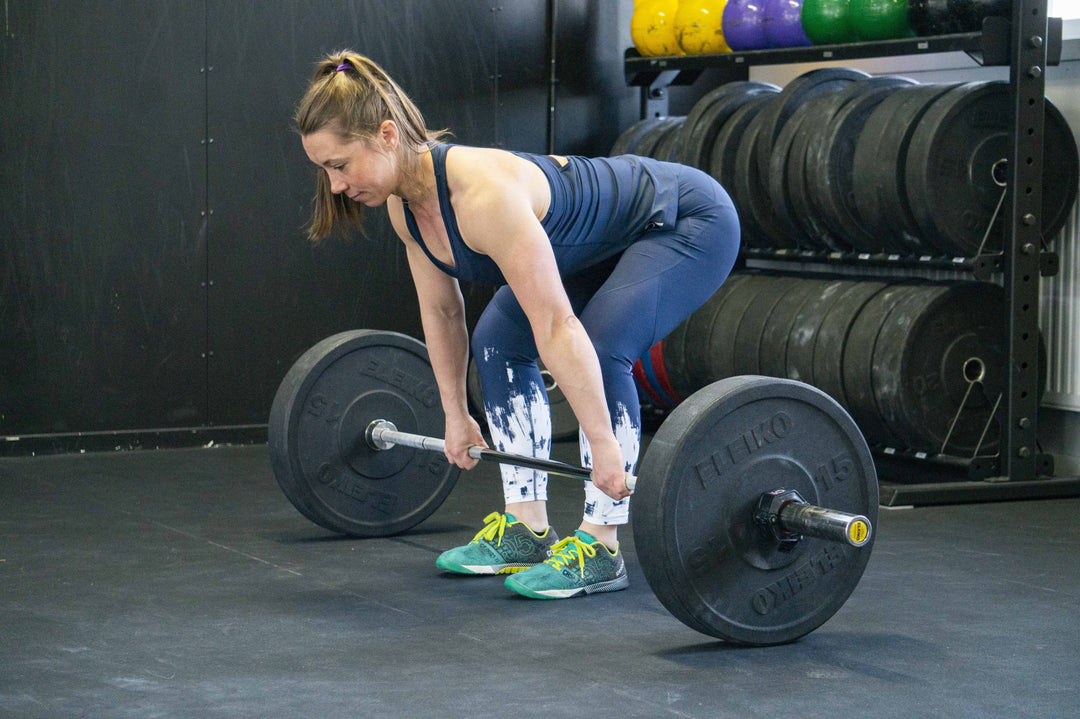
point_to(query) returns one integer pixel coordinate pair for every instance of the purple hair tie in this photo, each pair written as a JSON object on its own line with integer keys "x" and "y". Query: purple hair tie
{"x": 343, "y": 66}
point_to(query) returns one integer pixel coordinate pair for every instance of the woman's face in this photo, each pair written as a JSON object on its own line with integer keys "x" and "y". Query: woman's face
{"x": 362, "y": 169}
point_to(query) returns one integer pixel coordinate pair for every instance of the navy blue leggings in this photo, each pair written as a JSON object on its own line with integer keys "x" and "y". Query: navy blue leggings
{"x": 626, "y": 305}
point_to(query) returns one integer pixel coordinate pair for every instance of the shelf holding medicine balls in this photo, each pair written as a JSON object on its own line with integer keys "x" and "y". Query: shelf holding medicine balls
{"x": 753, "y": 508}
{"x": 989, "y": 47}
{"x": 1027, "y": 42}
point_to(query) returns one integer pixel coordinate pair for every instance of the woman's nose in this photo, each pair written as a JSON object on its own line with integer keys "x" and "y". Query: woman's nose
{"x": 337, "y": 185}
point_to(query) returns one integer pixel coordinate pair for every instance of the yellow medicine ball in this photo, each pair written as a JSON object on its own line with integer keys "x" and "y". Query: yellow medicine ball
{"x": 698, "y": 25}
{"x": 652, "y": 27}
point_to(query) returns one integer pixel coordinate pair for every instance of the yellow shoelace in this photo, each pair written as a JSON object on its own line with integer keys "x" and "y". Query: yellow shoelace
{"x": 494, "y": 523}
{"x": 562, "y": 554}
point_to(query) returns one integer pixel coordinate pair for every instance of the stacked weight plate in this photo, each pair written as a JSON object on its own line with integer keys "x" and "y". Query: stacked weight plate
{"x": 689, "y": 139}
{"x": 653, "y": 137}
{"x": 838, "y": 161}
{"x": 918, "y": 365}
{"x": 957, "y": 159}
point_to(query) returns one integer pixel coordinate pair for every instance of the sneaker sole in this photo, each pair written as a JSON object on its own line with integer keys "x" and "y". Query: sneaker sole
{"x": 612, "y": 585}
{"x": 483, "y": 569}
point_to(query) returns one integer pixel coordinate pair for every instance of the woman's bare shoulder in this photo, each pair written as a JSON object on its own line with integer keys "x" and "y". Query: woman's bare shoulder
{"x": 480, "y": 175}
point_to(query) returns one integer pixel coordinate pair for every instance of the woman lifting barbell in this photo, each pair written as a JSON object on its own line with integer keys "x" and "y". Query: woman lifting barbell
{"x": 595, "y": 260}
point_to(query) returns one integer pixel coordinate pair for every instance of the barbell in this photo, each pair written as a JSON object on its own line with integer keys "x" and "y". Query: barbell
{"x": 783, "y": 513}
{"x": 753, "y": 508}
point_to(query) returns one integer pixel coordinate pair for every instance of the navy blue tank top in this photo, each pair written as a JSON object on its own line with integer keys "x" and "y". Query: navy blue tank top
{"x": 599, "y": 207}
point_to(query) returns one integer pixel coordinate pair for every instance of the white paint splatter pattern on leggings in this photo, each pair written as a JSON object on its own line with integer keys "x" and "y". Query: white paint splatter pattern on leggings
{"x": 523, "y": 429}
{"x": 520, "y": 423}
{"x": 600, "y": 508}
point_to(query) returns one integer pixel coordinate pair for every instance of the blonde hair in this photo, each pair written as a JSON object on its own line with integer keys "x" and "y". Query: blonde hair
{"x": 353, "y": 96}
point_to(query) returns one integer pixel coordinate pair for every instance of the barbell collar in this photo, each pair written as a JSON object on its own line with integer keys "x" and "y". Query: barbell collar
{"x": 382, "y": 434}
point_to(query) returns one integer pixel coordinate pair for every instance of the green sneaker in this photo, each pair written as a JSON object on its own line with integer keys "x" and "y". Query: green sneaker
{"x": 503, "y": 546}
{"x": 578, "y": 565}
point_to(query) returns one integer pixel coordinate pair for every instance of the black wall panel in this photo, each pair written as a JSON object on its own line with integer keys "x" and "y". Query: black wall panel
{"x": 102, "y": 247}
{"x": 272, "y": 294}
{"x": 153, "y": 269}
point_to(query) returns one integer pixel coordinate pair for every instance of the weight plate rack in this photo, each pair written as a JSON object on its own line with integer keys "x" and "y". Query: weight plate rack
{"x": 1027, "y": 42}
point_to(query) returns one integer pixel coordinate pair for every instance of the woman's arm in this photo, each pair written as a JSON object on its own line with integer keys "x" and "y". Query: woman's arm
{"x": 497, "y": 210}
{"x": 442, "y": 315}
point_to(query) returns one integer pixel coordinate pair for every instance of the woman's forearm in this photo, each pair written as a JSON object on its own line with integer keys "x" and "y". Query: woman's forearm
{"x": 447, "y": 340}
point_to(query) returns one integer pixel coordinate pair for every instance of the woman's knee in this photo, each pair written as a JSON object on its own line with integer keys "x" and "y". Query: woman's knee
{"x": 498, "y": 334}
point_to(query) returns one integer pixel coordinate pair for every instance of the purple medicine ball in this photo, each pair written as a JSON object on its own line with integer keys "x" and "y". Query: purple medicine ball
{"x": 744, "y": 24}
{"x": 783, "y": 23}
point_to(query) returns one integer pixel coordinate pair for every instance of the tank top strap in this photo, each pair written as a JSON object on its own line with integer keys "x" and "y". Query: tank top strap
{"x": 438, "y": 158}
{"x": 468, "y": 264}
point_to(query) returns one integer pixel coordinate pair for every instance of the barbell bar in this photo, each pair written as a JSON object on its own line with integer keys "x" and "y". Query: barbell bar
{"x": 382, "y": 434}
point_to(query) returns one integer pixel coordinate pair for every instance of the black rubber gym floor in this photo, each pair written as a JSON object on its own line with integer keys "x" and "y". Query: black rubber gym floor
{"x": 181, "y": 583}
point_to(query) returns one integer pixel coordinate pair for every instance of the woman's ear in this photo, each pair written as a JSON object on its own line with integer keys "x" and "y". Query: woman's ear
{"x": 389, "y": 135}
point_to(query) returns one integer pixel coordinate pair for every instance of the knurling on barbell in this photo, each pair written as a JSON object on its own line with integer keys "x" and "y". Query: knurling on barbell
{"x": 703, "y": 542}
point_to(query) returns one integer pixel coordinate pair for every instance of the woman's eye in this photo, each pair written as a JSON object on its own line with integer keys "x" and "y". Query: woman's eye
{"x": 339, "y": 168}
